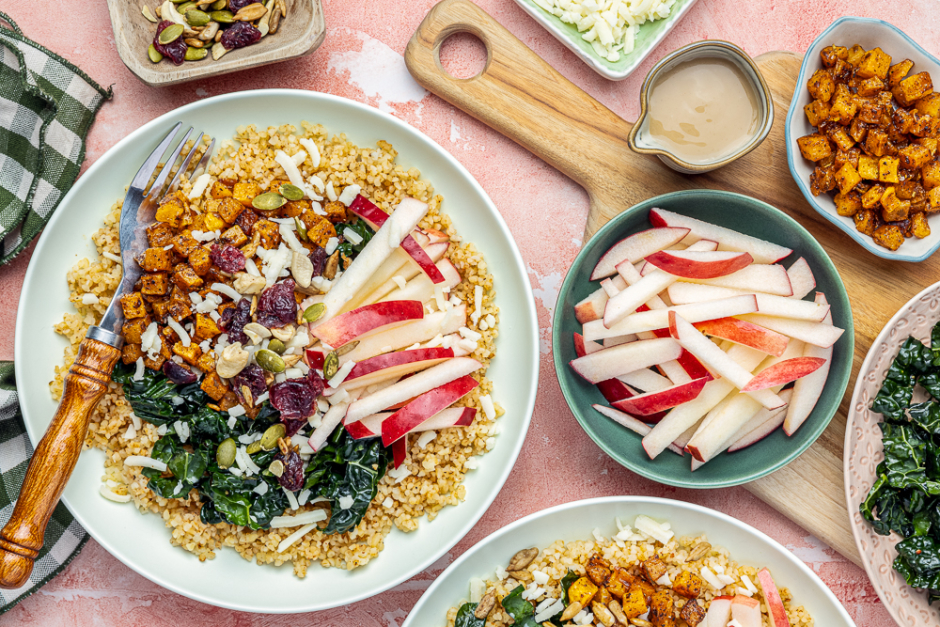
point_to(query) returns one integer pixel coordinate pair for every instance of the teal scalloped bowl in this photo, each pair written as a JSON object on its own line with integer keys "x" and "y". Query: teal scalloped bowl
{"x": 746, "y": 215}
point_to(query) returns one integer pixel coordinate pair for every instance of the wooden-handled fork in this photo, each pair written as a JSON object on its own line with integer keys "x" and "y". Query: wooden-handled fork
{"x": 87, "y": 380}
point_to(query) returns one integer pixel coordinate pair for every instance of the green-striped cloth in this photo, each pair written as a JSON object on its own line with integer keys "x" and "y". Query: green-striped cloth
{"x": 46, "y": 108}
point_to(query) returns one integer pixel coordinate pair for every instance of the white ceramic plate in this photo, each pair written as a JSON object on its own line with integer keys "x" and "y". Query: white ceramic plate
{"x": 142, "y": 541}
{"x": 576, "y": 521}
{"x": 864, "y": 450}
{"x": 868, "y": 33}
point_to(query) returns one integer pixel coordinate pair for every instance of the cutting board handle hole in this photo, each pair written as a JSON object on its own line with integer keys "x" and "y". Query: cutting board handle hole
{"x": 462, "y": 54}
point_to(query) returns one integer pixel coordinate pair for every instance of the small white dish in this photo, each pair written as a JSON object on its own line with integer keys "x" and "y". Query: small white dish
{"x": 868, "y": 33}
{"x": 650, "y": 35}
{"x": 142, "y": 541}
{"x": 575, "y": 521}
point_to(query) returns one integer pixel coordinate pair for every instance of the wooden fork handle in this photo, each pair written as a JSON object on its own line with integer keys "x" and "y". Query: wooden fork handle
{"x": 53, "y": 461}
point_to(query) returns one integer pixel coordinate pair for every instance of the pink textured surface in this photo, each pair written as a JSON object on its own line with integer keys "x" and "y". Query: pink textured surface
{"x": 96, "y": 589}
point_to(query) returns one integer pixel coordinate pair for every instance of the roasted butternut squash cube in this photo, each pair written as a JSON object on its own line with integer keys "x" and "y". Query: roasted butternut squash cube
{"x": 854, "y": 55}
{"x": 876, "y": 143}
{"x": 160, "y": 234}
{"x": 206, "y": 362}
{"x": 847, "y": 178}
{"x": 872, "y": 198}
{"x": 131, "y": 353}
{"x": 857, "y": 130}
{"x": 913, "y": 88}
{"x": 930, "y": 143}
{"x": 930, "y": 174}
{"x": 214, "y": 222}
{"x": 813, "y": 147}
{"x": 898, "y": 71}
{"x": 245, "y": 191}
{"x": 132, "y": 329}
{"x": 692, "y": 613}
{"x": 634, "y": 603}
{"x": 840, "y": 136}
{"x": 913, "y": 156}
{"x": 155, "y": 364}
{"x": 831, "y": 55}
{"x": 319, "y": 228}
{"x": 817, "y": 112}
{"x": 821, "y": 86}
{"x": 847, "y": 156}
{"x": 156, "y": 260}
{"x": 205, "y": 328}
{"x": 267, "y": 232}
{"x": 874, "y": 63}
{"x": 170, "y": 212}
{"x": 133, "y": 306}
{"x": 848, "y": 204}
{"x": 185, "y": 243}
{"x": 893, "y": 208}
{"x": 865, "y": 221}
{"x": 888, "y": 169}
{"x": 229, "y": 209}
{"x": 214, "y": 386}
{"x": 598, "y": 569}
{"x": 234, "y": 236}
{"x": 653, "y": 568}
{"x": 870, "y": 86}
{"x": 868, "y": 168}
{"x": 919, "y": 226}
{"x": 190, "y": 354}
{"x": 933, "y": 200}
{"x": 200, "y": 261}
{"x": 246, "y": 220}
{"x": 616, "y": 586}
{"x": 581, "y": 591}
{"x": 219, "y": 191}
{"x": 335, "y": 212}
{"x": 822, "y": 180}
{"x": 159, "y": 308}
{"x": 929, "y": 105}
{"x": 186, "y": 278}
{"x": 603, "y": 596}
{"x": 687, "y": 584}
{"x": 179, "y": 309}
{"x": 844, "y": 105}
{"x": 294, "y": 208}
{"x": 154, "y": 284}
{"x": 662, "y": 609}
{"x": 889, "y": 236}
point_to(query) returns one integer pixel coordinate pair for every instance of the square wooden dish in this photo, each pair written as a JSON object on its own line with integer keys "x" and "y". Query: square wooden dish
{"x": 300, "y": 33}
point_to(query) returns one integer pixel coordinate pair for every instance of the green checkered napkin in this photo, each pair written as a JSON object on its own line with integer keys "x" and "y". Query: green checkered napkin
{"x": 46, "y": 108}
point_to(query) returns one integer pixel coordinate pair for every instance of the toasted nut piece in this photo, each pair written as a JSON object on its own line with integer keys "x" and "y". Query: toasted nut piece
{"x": 617, "y": 611}
{"x": 251, "y": 12}
{"x": 570, "y": 612}
{"x": 522, "y": 559}
{"x": 274, "y": 21}
{"x": 218, "y": 50}
{"x": 639, "y": 622}
{"x": 195, "y": 43}
{"x": 290, "y": 360}
{"x": 518, "y": 575}
{"x": 301, "y": 268}
{"x": 701, "y": 550}
{"x": 208, "y": 33}
{"x": 282, "y": 5}
{"x": 284, "y": 333}
{"x": 245, "y": 283}
{"x": 486, "y": 605}
{"x": 232, "y": 361}
{"x": 148, "y": 14}
{"x": 256, "y": 332}
{"x": 602, "y": 614}
{"x": 332, "y": 264}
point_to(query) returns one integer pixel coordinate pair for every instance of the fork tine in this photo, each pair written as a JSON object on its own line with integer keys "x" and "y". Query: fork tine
{"x": 204, "y": 162}
{"x": 150, "y": 165}
{"x": 160, "y": 182}
{"x": 184, "y": 166}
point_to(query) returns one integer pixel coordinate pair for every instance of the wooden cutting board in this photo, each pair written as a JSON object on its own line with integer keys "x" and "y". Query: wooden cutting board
{"x": 524, "y": 98}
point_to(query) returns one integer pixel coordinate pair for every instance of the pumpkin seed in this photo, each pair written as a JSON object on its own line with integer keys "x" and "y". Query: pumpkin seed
{"x": 276, "y": 468}
{"x": 277, "y": 346}
{"x": 291, "y": 192}
{"x": 196, "y": 54}
{"x": 273, "y": 433}
{"x": 225, "y": 454}
{"x": 330, "y": 365}
{"x": 186, "y": 6}
{"x": 170, "y": 34}
{"x": 346, "y": 348}
{"x": 301, "y": 229}
{"x": 197, "y": 18}
{"x": 254, "y": 447}
{"x": 149, "y": 14}
{"x": 218, "y": 5}
{"x": 154, "y": 54}
{"x": 178, "y": 1}
{"x": 270, "y": 361}
{"x": 222, "y": 17}
{"x": 268, "y": 201}
{"x": 314, "y": 312}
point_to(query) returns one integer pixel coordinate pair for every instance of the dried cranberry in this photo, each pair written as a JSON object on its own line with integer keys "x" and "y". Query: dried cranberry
{"x": 175, "y": 50}
{"x": 234, "y": 320}
{"x": 227, "y": 258}
{"x": 316, "y": 382}
{"x": 293, "y": 426}
{"x": 318, "y": 257}
{"x": 237, "y": 5}
{"x": 293, "y": 476}
{"x": 239, "y": 35}
{"x": 277, "y": 306}
{"x": 294, "y": 398}
{"x": 180, "y": 375}
{"x": 253, "y": 377}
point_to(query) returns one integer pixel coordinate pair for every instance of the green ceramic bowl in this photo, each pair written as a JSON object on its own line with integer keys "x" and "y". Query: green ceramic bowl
{"x": 746, "y": 215}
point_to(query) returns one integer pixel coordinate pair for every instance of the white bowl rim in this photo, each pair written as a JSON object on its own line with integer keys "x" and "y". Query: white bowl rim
{"x": 868, "y": 245}
{"x": 691, "y": 508}
{"x": 866, "y": 366}
{"x": 528, "y": 305}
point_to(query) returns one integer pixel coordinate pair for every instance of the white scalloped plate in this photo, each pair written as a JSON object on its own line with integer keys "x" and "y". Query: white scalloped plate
{"x": 864, "y": 450}
{"x": 142, "y": 541}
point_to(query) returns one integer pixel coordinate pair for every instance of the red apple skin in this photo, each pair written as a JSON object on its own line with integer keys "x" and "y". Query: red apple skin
{"x": 397, "y": 358}
{"x": 315, "y": 359}
{"x": 348, "y": 326}
{"x": 418, "y": 410}
{"x": 607, "y": 262}
{"x": 579, "y": 345}
{"x": 652, "y": 402}
{"x": 400, "y": 451}
{"x": 358, "y": 431}
{"x": 677, "y": 263}
{"x": 689, "y": 362}
{"x": 760, "y": 436}
{"x": 745, "y": 333}
{"x": 658, "y": 218}
{"x": 784, "y": 372}
{"x": 777, "y": 613}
